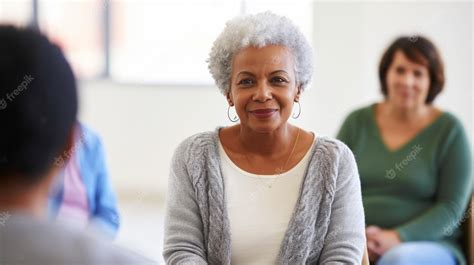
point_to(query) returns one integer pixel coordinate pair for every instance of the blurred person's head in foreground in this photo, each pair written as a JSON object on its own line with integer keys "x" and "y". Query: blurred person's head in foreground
{"x": 38, "y": 108}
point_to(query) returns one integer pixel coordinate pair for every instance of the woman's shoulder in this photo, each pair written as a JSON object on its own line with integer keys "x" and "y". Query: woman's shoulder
{"x": 196, "y": 144}
{"x": 334, "y": 159}
{"x": 449, "y": 127}
{"x": 331, "y": 148}
{"x": 450, "y": 120}
{"x": 357, "y": 119}
{"x": 201, "y": 138}
{"x": 361, "y": 112}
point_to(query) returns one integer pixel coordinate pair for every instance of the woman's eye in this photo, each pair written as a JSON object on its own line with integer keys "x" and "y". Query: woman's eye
{"x": 245, "y": 82}
{"x": 418, "y": 73}
{"x": 399, "y": 70}
{"x": 278, "y": 80}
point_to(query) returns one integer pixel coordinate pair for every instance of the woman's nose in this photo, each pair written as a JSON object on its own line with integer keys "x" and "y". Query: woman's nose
{"x": 407, "y": 80}
{"x": 263, "y": 92}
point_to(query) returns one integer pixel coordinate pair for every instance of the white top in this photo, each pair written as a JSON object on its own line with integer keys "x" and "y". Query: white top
{"x": 259, "y": 209}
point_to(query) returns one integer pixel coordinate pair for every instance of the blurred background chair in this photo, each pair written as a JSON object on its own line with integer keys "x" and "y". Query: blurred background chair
{"x": 468, "y": 229}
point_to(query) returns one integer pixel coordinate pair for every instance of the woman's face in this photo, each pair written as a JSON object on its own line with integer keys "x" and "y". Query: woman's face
{"x": 263, "y": 87}
{"x": 408, "y": 82}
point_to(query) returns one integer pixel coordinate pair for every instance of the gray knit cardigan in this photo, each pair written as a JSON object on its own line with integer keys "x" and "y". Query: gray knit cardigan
{"x": 327, "y": 225}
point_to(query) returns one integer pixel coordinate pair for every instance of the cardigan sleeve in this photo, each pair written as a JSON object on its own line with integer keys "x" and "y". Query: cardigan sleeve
{"x": 454, "y": 189}
{"x": 183, "y": 238}
{"x": 345, "y": 238}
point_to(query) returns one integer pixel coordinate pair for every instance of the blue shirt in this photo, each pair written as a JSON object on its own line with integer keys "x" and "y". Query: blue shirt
{"x": 101, "y": 199}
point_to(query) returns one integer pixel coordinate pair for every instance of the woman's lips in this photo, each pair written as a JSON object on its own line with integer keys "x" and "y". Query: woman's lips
{"x": 263, "y": 113}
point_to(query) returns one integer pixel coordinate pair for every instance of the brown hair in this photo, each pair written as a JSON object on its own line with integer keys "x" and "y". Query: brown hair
{"x": 420, "y": 50}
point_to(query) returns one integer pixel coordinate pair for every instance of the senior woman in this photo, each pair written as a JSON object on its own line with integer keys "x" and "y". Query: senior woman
{"x": 413, "y": 159}
{"x": 263, "y": 191}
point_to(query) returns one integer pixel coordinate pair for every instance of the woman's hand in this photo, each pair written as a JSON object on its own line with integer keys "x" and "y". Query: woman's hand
{"x": 380, "y": 240}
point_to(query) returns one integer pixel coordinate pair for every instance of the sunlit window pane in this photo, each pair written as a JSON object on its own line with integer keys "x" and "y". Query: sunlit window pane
{"x": 15, "y": 12}
{"x": 152, "y": 41}
{"x": 166, "y": 42}
{"x": 76, "y": 26}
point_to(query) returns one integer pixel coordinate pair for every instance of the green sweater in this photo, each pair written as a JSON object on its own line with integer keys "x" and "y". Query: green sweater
{"x": 421, "y": 189}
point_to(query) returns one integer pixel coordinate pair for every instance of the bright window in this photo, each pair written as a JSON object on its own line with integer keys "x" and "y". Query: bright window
{"x": 15, "y": 12}
{"x": 77, "y": 27}
{"x": 164, "y": 42}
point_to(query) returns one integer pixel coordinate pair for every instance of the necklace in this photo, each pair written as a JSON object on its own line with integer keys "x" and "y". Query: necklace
{"x": 281, "y": 170}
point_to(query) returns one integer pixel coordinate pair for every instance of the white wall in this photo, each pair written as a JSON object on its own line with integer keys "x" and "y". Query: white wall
{"x": 141, "y": 125}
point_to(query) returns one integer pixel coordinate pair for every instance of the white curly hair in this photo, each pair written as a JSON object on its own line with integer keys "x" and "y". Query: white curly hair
{"x": 259, "y": 30}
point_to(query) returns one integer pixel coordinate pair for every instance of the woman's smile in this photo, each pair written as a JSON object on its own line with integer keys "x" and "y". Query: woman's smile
{"x": 263, "y": 113}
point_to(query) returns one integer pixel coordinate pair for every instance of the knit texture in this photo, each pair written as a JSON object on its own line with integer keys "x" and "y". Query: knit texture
{"x": 327, "y": 225}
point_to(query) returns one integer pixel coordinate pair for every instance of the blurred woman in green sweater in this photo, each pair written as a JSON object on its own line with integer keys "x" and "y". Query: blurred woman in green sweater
{"x": 414, "y": 161}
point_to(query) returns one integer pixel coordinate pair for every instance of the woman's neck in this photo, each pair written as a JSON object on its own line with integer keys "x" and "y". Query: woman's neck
{"x": 276, "y": 142}
{"x": 405, "y": 115}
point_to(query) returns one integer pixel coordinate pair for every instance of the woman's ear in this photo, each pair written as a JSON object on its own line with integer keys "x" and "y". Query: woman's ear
{"x": 229, "y": 99}
{"x": 298, "y": 93}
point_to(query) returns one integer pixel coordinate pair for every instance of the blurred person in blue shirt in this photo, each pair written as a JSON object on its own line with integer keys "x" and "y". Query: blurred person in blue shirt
{"x": 83, "y": 194}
